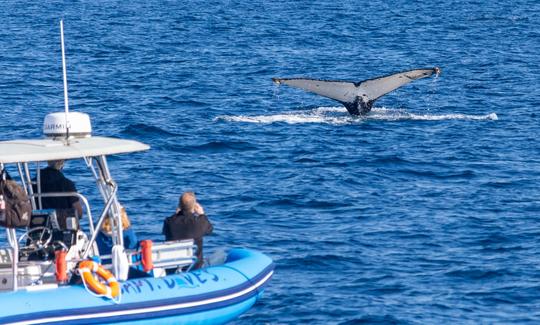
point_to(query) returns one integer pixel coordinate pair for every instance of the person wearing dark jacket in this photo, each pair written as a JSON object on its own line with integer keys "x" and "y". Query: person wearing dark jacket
{"x": 189, "y": 222}
{"x": 53, "y": 180}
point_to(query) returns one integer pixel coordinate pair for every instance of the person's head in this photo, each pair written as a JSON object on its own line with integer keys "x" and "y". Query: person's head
{"x": 56, "y": 164}
{"x": 187, "y": 203}
{"x": 106, "y": 225}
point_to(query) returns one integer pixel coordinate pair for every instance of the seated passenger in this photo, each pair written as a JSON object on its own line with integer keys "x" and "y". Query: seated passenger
{"x": 189, "y": 222}
{"x": 104, "y": 237}
{"x": 53, "y": 180}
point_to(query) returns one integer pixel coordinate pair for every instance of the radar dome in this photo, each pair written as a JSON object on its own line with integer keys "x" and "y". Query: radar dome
{"x": 79, "y": 125}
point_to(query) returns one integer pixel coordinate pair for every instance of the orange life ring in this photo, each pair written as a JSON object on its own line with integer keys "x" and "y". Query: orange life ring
{"x": 87, "y": 270}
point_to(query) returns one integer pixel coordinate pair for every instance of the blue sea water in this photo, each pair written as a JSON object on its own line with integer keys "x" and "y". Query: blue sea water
{"x": 426, "y": 211}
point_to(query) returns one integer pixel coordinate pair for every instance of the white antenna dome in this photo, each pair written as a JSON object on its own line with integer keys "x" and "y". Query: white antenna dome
{"x": 79, "y": 125}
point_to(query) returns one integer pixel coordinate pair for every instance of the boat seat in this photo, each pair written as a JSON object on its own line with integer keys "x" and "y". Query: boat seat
{"x": 179, "y": 253}
{"x": 176, "y": 255}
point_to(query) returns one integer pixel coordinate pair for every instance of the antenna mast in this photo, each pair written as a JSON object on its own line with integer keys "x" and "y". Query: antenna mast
{"x": 66, "y": 100}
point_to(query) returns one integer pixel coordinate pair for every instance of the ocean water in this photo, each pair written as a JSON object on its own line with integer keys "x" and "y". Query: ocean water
{"x": 425, "y": 211}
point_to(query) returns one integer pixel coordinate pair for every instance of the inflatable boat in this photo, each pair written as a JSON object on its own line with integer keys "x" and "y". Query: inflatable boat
{"x": 51, "y": 271}
{"x": 212, "y": 295}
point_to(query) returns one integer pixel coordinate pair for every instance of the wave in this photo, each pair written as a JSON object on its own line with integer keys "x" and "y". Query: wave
{"x": 339, "y": 116}
{"x": 139, "y": 129}
{"x": 219, "y": 146}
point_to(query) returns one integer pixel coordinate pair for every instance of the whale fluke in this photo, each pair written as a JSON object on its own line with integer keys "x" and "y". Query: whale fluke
{"x": 358, "y": 97}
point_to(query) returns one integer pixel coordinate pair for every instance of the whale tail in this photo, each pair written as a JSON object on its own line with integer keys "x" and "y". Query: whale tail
{"x": 358, "y": 97}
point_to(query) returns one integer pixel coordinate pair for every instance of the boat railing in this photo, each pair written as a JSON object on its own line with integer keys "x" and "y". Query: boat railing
{"x": 181, "y": 254}
{"x": 110, "y": 200}
{"x": 81, "y": 197}
{"x": 12, "y": 235}
{"x": 84, "y": 200}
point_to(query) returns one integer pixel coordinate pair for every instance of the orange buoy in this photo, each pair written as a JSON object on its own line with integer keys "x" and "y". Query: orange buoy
{"x": 61, "y": 266}
{"x": 111, "y": 288}
{"x": 146, "y": 255}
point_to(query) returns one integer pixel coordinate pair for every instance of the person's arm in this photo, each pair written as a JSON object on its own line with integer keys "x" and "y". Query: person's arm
{"x": 198, "y": 209}
{"x": 203, "y": 226}
{"x": 209, "y": 227}
{"x": 130, "y": 239}
{"x": 165, "y": 230}
{"x": 78, "y": 207}
{"x": 75, "y": 202}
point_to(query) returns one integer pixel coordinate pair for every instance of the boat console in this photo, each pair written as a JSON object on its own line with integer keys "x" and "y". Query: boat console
{"x": 49, "y": 230}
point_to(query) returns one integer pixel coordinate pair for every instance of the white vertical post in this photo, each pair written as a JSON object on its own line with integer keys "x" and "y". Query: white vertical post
{"x": 12, "y": 239}
{"x": 29, "y": 181}
{"x": 66, "y": 101}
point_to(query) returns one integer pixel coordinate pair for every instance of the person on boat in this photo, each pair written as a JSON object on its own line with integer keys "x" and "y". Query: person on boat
{"x": 189, "y": 222}
{"x": 104, "y": 237}
{"x": 52, "y": 180}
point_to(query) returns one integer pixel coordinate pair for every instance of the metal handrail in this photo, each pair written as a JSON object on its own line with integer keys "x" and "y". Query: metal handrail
{"x": 93, "y": 231}
{"x": 110, "y": 201}
{"x": 68, "y": 194}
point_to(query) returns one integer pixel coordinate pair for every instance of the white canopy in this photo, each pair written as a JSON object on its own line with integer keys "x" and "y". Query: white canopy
{"x": 49, "y": 149}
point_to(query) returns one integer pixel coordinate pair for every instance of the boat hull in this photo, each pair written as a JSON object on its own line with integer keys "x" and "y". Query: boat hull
{"x": 212, "y": 295}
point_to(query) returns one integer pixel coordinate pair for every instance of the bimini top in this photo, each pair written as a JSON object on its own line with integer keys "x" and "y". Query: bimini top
{"x": 49, "y": 149}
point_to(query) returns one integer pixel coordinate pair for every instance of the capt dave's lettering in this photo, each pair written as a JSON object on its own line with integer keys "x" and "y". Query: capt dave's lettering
{"x": 182, "y": 280}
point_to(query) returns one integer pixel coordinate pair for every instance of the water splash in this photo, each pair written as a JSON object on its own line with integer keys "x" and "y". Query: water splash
{"x": 339, "y": 116}
{"x": 388, "y": 114}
